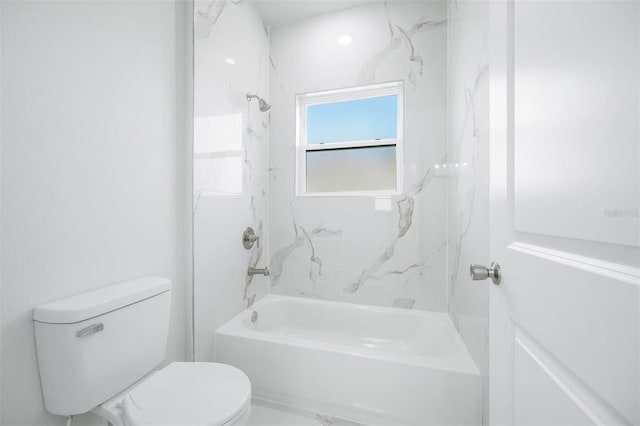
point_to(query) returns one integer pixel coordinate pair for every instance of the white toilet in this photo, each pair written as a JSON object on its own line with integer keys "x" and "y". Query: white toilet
{"x": 98, "y": 351}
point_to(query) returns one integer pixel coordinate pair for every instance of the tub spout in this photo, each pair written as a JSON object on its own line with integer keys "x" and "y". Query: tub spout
{"x": 258, "y": 271}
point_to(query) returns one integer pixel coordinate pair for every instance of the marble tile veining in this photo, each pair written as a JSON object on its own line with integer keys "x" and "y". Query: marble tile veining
{"x": 398, "y": 34}
{"x": 302, "y": 238}
{"x": 370, "y": 256}
{"x": 468, "y": 191}
{"x": 206, "y": 18}
{"x": 405, "y": 206}
{"x": 265, "y": 413}
{"x": 231, "y": 54}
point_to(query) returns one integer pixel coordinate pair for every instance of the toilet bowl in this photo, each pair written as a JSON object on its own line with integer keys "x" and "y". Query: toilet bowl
{"x": 183, "y": 393}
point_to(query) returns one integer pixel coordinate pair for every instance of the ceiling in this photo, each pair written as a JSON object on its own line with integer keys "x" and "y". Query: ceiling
{"x": 282, "y": 12}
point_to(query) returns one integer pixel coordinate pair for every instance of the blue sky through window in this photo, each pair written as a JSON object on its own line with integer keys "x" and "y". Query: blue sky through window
{"x": 355, "y": 120}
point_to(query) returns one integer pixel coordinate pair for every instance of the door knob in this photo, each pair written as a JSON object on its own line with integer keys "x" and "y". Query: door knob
{"x": 481, "y": 272}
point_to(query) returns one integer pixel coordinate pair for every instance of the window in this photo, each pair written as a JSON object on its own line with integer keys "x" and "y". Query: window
{"x": 350, "y": 141}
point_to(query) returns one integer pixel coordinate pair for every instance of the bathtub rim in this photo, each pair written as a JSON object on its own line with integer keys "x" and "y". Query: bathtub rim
{"x": 461, "y": 363}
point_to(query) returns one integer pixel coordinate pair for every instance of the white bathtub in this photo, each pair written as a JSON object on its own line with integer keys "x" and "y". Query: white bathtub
{"x": 367, "y": 364}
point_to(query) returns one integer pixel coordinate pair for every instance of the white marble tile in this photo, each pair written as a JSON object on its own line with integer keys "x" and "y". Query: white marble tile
{"x": 468, "y": 175}
{"x": 343, "y": 248}
{"x": 265, "y": 413}
{"x": 231, "y": 139}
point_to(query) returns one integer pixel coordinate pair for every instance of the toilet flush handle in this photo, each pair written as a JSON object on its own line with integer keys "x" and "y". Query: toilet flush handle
{"x": 92, "y": 329}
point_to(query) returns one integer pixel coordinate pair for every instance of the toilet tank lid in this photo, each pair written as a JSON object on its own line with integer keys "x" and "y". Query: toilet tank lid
{"x": 97, "y": 302}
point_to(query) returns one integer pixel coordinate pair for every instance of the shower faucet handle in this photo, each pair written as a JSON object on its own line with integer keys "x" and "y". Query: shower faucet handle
{"x": 249, "y": 237}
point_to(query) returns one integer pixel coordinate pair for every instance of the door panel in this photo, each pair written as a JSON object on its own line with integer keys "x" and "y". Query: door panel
{"x": 576, "y": 119}
{"x": 565, "y": 321}
{"x": 540, "y": 396}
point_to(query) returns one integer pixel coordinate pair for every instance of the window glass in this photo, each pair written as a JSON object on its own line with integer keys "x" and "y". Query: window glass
{"x": 351, "y": 169}
{"x": 353, "y": 120}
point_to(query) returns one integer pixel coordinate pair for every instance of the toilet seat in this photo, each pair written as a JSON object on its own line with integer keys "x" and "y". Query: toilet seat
{"x": 189, "y": 393}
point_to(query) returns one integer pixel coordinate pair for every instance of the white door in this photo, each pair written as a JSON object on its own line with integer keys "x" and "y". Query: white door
{"x": 564, "y": 322}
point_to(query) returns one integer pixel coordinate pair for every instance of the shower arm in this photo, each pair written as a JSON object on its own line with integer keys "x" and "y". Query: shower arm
{"x": 262, "y": 104}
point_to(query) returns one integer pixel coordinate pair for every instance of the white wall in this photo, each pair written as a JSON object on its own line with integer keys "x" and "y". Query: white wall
{"x": 231, "y": 59}
{"x": 468, "y": 183}
{"x": 91, "y": 191}
{"x": 342, "y": 248}
{"x": 1, "y": 72}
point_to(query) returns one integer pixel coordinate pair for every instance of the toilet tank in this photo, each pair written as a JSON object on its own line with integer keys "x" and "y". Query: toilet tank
{"x": 94, "y": 345}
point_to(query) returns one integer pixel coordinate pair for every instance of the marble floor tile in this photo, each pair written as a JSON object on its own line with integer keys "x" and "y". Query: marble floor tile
{"x": 265, "y": 413}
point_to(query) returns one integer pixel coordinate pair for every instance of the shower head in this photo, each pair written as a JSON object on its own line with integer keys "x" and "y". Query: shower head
{"x": 262, "y": 104}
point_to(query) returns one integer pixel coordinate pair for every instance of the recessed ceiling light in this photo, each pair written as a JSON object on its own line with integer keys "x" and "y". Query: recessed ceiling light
{"x": 230, "y": 61}
{"x": 344, "y": 39}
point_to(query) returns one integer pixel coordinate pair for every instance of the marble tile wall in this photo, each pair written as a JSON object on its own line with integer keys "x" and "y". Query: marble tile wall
{"x": 342, "y": 248}
{"x": 231, "y": 151}
{"x": 468, "y": 176}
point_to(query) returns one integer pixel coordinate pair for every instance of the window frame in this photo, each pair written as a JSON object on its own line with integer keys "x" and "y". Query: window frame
{"x": 339, "y": 95}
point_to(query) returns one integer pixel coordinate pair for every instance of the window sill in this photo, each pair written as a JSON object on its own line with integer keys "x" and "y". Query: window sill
{"x": 350, "y": 194}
